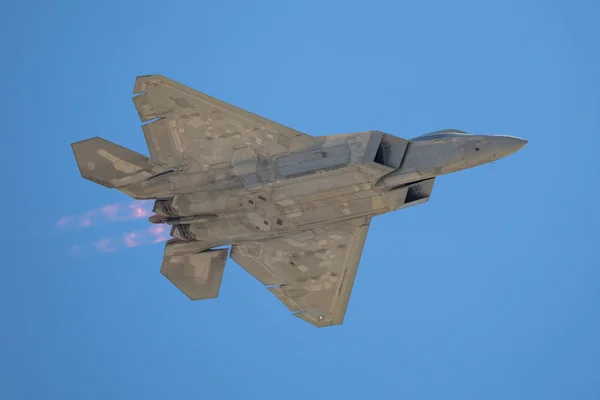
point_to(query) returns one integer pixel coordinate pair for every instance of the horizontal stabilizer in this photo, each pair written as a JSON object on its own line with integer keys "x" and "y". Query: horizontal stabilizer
{"x": 198, "y": 275}
{"x": 111, "y": 165}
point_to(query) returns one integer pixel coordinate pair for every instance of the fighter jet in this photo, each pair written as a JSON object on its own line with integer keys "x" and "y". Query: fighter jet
{"x": 294, "y": 209}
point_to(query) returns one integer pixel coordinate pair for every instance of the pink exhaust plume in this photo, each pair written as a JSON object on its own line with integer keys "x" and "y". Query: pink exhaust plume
{"x": 138, "y": 211}
{"x": 154, "y": 234}
{"x": 131, "y": 239}
{"x": 110, "y": 211}
{"x": 85, "y": 222}
{"x": 63, "y": 221}
{"x": 74, "y": 250}
{"x": 108, "y": 214}
{"x": 159, "y": 232}
{"x": 105, "y": 245}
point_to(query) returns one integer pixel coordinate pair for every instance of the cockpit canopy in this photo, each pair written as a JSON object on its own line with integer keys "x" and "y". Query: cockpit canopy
{"x": 441, "y": 134}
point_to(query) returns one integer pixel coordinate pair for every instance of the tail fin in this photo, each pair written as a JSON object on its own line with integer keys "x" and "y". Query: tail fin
{"x": 111, "y": 165}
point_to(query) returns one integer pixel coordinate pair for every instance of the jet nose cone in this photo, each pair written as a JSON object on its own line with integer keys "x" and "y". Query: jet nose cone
{"x": 507, "y": 145}
{"x": 518, "y": 143}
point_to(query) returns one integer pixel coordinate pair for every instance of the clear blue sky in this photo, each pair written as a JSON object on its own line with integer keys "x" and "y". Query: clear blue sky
{"x": 489, "y": 291}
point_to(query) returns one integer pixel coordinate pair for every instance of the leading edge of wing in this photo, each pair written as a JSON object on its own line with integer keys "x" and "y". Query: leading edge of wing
{"x": 144, "y": 84}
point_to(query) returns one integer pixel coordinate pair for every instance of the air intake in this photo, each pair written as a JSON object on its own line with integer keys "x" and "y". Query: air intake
{"x": 390, "y": 151}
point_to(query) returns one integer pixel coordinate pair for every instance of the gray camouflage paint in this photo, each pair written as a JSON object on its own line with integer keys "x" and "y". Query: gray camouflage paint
{"x": 295, "y": 209}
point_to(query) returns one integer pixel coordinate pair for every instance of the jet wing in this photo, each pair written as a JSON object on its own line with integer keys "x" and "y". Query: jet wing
{"x": 190, "y": 129}
{"x": 312, "y": 271}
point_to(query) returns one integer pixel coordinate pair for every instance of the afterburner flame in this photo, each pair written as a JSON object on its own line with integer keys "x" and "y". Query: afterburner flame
{"x": 105, "y": 245}
{"x": 107, "y": 214}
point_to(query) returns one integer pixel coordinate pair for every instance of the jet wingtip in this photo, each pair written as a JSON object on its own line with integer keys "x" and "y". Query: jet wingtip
{"x": 142, "y": 80}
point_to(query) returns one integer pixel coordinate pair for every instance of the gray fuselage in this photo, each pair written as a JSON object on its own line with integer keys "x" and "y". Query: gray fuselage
{"x": 343, "y": 178}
